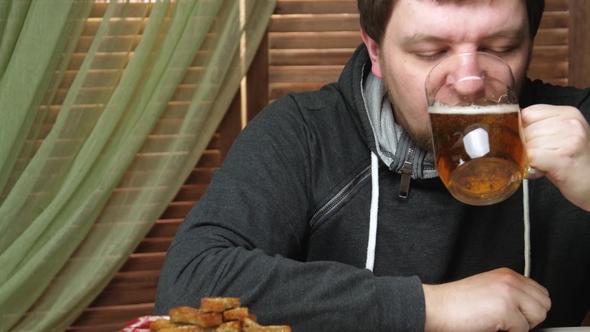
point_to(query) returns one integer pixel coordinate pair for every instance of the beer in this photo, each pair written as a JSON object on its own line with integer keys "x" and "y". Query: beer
{"x": 478, "y": 150}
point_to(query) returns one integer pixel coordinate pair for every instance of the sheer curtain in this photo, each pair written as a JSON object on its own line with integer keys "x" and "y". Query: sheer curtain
{"x": 104, "y": 110}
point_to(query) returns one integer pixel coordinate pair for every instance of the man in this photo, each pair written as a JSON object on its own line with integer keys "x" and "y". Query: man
{"x": 303, "y": 222}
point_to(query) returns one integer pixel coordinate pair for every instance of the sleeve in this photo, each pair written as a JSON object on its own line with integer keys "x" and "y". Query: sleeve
{"x": 247, "y": 235}
{"x": 537, "y": 92}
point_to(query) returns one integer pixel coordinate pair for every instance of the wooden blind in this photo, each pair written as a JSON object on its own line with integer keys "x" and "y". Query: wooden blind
{"x": 311, "y": 41}
{"x": 550, "y": 53}
{"x": 307, "y": 45}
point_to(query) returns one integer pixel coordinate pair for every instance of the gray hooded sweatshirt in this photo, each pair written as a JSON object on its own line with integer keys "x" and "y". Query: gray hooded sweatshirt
{"x": 304, "y": 220}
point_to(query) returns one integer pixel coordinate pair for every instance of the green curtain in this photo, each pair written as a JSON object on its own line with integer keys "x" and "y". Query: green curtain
{"x": 92, "y": 150}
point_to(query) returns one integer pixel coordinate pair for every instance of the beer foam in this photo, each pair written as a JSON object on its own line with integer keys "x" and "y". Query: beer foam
{"x": 473, "y": 109}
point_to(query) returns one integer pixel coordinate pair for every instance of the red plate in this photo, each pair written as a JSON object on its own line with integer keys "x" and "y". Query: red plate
{"x": 141, "y": 324}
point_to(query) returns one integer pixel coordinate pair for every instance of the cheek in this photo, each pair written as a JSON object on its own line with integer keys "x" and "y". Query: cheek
{"x": 519, "y": 73}
{"x": 408, "y": 89}
{"x": 519, "y": 66}
{"x": 404, "y": 80}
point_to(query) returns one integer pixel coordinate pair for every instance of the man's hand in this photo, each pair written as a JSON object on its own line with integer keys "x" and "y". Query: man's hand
{"x": 498, "y": 300}
{"x": 557, "y": 140}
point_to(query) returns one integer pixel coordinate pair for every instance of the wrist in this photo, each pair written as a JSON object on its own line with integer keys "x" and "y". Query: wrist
{"x": 432, "y": 323}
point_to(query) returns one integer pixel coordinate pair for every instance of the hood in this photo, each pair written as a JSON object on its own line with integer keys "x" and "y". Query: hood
{"x": 350, "y": 83}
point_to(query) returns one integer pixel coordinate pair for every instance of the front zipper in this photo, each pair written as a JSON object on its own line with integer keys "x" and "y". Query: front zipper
{"x": 340, "y": 196}
{"x": 404, "y": 186}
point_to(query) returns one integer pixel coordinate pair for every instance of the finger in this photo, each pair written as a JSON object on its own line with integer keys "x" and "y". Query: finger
{"x": 553, "y": 151}
{"x": 527, "y": 288}
{"x": 558, "y": 121}
{"x": 538, "y": 112}
{"x": 534, "y": 306}
{"x": 516, "y": 322}
{"x": 549, "y": 141}
{"x": 517, "y": 279}
{"x": 543, "y": 159}
{"x": 533, "y": 173}
{"x": 557, "y": 162}
{"x": 536, "y": 300}
{"x": 559, "y": 133}
{"x": 543, "y": 128}
{"x": 535, "y": 311}
{"x": 540, "y": 158}
{"x": 537, "y": 286}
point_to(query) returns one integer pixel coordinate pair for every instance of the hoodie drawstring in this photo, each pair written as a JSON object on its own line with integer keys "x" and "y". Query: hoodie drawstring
{"x": 527, "y": 228}
{"x": 370, "y": 262}
{"x": 373, "y": 214}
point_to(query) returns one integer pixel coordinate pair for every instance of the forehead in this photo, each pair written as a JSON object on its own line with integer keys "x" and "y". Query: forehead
{"x": 459, "y": 19}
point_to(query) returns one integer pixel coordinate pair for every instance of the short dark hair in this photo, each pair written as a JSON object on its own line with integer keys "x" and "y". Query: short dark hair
{"x": 375, "y": 14}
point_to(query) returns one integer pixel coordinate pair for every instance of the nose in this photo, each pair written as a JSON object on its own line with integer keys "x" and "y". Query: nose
{"x": 468, "y": 77}
{"x": 469, "y": 85}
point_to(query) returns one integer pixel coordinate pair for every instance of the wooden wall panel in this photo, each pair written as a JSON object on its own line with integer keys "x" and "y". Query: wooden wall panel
{"x": 257, "y": 82}
{"x": 309, "y": 44}
{"x": 550, "y": 54}
{"x": 289, "y": 7}
{"x": 579, "y": 58}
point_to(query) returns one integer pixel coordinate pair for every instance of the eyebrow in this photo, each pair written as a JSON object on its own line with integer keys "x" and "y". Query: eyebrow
{"x": 421, "y": 38}
{"x": 516, "y": 33}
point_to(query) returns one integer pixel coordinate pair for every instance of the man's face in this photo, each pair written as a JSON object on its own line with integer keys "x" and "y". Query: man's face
{"x": 421, "y": 33}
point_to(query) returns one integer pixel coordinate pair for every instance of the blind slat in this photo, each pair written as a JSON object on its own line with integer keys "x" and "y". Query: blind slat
{"x": 316, "y": 7}
{"x": 317, "y": 40}
{"x": 310, "y": 57}
{"x": 328, "y": 22}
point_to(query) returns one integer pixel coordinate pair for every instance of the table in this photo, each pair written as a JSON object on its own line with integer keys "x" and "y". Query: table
{"x": 564, "y": 329}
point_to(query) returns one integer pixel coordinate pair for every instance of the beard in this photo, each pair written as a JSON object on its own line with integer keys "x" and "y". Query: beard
{"x": 421, "y": 136}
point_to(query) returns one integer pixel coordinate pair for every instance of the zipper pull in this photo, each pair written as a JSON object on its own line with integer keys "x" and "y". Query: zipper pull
{"x": 404, "y": 185}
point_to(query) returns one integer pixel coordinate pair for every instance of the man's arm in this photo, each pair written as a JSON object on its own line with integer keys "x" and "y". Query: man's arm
{"x": 246, "y": 237}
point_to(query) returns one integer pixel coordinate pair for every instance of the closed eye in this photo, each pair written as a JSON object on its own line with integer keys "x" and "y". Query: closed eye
{"x": 430, "y": 56}
{"x": 498, "y": 51}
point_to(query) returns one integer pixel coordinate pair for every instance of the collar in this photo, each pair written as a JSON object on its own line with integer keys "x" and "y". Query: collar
{"x": 391, "y": 140}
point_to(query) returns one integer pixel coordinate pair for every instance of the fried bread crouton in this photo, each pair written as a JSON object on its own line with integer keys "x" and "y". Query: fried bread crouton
{"x": 235, "y": 314}
{"x": 195, "y": 316}
{"x": 161, "y": 324}
{"x": 233, "y": 326}
{"x": 188, "y": 328}
{"x": 219, "y": 304}
{"x": 249, "y": 325}
{"x": 216, "y": 315}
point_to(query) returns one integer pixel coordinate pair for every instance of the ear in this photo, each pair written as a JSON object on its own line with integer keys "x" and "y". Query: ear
{"x": 374, "y": 53}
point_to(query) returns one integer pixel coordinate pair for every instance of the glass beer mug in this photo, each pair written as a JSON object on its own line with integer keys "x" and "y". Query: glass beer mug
{"x": 476, "y": 127}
